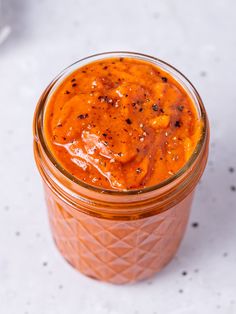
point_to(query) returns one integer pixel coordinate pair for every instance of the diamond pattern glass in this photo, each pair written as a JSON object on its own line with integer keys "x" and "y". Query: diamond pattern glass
{"x": 117, "y": 251}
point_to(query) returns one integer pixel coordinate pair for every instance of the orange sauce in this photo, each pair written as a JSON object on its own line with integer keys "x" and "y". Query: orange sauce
{"x": 121, "y": 123}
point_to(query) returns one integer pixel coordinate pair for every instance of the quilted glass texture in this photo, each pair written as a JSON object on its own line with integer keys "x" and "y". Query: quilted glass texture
{"x": 117, "y": 251}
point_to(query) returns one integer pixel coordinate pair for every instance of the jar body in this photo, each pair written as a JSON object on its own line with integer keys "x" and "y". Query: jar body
{"x": 112, "y": 250}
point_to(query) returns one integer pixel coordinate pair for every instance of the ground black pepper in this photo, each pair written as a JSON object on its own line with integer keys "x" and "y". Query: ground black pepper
{"x": 138, "y": 170}
{"x": 83, "y": 116}
{"x": 177, "y": 124}
{"x": 128, "y": 121}
{"x": 180, "y": 108}
{"x": 155, "y": 107}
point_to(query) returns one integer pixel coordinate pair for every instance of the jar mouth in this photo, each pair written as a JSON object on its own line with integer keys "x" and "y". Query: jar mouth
{"x": 185, "y": 83}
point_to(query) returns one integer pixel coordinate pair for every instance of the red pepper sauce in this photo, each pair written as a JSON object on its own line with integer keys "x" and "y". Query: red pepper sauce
{"x": 121, "y": 123}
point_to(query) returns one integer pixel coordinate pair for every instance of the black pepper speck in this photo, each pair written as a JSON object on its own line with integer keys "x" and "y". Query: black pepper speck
{"x": 195, "y": 224}
{"x": 83, "y": 116}
{"x": 203, "y": 73}
{"x": 128, "y": 121}
{"x": 177, "y": 124}
{"x": 180, "y": 108}
{"x": 155, "y": 107}
{"x": 138, "y": 170}
{"x": 164, "y": 79}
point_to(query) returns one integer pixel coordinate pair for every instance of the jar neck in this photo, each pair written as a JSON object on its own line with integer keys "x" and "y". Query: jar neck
{"x": 123, "y": 207}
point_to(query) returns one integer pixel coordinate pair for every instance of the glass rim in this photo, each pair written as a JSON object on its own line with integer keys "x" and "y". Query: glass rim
{"x": 185, "y": 83}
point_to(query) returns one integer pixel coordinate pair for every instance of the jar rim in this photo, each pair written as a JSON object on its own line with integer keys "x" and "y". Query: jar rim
{"x": 182, "y": 79}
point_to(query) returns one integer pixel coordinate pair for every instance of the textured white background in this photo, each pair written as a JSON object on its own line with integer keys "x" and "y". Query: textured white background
{"x": 198, "y": 37}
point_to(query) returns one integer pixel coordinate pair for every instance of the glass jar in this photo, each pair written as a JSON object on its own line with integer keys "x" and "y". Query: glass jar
{"x": 4, "y": 27}
{"x": 118, "y": 236}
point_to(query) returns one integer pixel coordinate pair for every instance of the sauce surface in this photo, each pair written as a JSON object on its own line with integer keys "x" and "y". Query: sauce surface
{"x": 121, "y": 123}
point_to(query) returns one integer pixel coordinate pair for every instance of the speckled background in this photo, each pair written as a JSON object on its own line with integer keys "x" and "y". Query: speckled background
{"x": 198, "y": 37}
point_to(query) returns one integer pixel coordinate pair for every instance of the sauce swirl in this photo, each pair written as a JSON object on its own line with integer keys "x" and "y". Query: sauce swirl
{"x": 121, "y": 123}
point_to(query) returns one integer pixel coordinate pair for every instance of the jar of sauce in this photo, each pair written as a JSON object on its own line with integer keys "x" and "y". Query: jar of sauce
{"x": 121, "y": 141}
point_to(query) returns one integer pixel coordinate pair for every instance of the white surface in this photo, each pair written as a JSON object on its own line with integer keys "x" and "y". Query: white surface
{"x": 198, "y": 37}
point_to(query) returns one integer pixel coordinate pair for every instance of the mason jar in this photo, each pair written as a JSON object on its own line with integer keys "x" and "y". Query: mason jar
{"x": 111, "y": 235}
